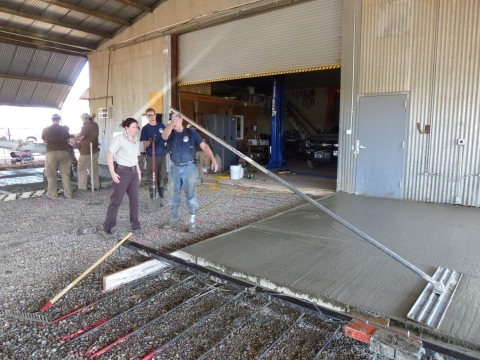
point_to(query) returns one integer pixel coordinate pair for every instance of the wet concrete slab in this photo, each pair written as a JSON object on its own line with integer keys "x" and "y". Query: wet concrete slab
{"x": 21, "y": 176}
{"x": 305, "y": 252}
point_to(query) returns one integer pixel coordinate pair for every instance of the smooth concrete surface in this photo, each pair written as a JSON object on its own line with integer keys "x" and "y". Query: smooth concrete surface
{"x": 305, "y": 252}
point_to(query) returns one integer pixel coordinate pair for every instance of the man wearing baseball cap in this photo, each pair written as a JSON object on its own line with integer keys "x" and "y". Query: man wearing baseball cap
{"x": 56, "y": 158}
{"x": 87, "y": 161}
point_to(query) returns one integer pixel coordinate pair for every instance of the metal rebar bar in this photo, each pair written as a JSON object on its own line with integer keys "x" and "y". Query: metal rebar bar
{"x": 438, "y": 287}
{"x": 153, "y": 353}
{"x": 280, "y": 337}
{"x": 328, "y": 342}
{"x": 131, "y": 286}
{"x": 136, "y": 331}
{"x": 233, "y": 330}
{"x": 127, "y": 311}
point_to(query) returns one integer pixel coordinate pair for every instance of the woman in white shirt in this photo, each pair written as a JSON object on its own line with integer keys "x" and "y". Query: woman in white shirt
{"x": 126, "y": 176}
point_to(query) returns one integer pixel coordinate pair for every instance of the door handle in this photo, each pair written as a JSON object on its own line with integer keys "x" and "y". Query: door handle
{"x": 358, "y": 146}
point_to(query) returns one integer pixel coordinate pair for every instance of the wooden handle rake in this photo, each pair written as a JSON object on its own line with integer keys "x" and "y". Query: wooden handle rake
{"x": 44, "y": 319}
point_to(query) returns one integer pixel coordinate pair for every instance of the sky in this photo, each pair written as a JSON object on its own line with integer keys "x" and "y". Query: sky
{"x": 31, "y": 120}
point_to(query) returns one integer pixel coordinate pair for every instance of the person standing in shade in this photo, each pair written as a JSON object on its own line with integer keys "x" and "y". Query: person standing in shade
{"x": 183, "y": 171}
{"x": 88, "y": 135}
{"x": 56, "y": 137}
{"x": 154, "y": 128}
{"x": 126, "y": 176}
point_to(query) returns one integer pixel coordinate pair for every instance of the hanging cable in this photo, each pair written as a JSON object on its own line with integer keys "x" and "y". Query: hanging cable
{"x": 106, "y": 96}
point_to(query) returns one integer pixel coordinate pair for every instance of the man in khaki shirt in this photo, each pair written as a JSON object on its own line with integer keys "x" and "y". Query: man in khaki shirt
{"x": 88, "y": 135}
{"x": 56, "y": 157}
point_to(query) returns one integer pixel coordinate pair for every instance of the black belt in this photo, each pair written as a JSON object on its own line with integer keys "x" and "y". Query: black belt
{"x": 133, "y": 168}
{"x": 185, "y": 164}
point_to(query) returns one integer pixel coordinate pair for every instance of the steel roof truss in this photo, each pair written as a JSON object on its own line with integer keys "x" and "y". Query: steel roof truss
{"x": 42, "y": 45}
{"x": 135, "y": 5}
{"x": 25, "y": 78}
{"x": 88, "y": 12}
{"x": 56, "y": 22}
{"x": 34, "y": 35}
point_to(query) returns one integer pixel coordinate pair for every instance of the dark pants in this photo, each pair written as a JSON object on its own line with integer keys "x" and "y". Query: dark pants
{"x": 129, "y": 185}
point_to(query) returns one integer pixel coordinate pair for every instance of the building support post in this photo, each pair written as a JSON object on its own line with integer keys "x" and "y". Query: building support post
{"x": 278, "y": 124}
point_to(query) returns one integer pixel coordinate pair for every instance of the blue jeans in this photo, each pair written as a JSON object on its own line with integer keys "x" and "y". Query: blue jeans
{"x": 186, "y": 177}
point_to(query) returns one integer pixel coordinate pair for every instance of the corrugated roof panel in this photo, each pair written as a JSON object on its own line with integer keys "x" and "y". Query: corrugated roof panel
{"x": 71, "y": 68}
{"x": 38, "y": 63}
{"x": 115, "y": 8}
{"x": 9, "y": 91}
{"x": 75, "y": 17}
{"x": 49, "y": 29}
{"x": 148, "y": 2}
{"x": 34, "y": 7}
{"x": 7, "y": 53}
{"x": 27, "y": 61}
{"x": 12, "y": 4}
{"x": 80, "y": 36}
{"x": 53, "y": 12}
{"x": 109, "y": 27}
{"x": 56, "y": 96}
{"x": 25, "y": 92}
{"x": 29, "y": 25}
{"x": 85, "y": 95}
{"x": 129, "y": 12}
{"x": 40, "y": 93}
{"x": 54, "y": 66}
{"x": 22, "y": 59}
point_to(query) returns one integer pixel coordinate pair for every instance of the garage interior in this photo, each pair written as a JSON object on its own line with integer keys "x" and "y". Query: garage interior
{"x": 311, "y": 107}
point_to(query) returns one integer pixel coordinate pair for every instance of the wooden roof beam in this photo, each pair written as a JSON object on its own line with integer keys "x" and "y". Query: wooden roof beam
{"x": 87, "y": 11}
{"x": 56, "y": 22}
{"x": 135, "y": 5}
{"x": 34, "y": 35}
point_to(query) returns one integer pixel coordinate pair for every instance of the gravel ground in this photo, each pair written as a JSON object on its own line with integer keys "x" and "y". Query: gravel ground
{"x": 41, "y": 252}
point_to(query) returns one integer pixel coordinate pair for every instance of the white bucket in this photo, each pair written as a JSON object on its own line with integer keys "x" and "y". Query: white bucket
{"x": 236, "y": 172}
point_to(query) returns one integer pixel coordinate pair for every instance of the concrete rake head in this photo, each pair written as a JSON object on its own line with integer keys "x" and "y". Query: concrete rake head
{"x": 36, "y": 317}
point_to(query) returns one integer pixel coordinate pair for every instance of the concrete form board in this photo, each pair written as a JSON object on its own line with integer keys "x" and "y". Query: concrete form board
{"x": 304, "y": 252}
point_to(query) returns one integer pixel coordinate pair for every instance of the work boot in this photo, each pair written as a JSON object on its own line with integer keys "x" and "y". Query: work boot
{"x": 161, "y": 192}
{"x": 108, "y": 234}
{"x": 192, "y": 227}
{"x": 172, "y": 225}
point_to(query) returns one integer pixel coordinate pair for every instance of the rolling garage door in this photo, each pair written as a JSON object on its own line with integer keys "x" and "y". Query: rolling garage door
{"x": 299, "y": 37}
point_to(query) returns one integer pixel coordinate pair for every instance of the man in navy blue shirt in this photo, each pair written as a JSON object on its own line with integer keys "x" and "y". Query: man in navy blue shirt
{"x": 183, "y": 171}
{"x": 154, "y": 128}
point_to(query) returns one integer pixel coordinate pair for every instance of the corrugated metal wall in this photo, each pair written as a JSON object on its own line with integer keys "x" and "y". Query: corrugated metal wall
{"x": 266, "y": 43}
{"x": 430, "y": 48}
{"x": 351, "y": 21}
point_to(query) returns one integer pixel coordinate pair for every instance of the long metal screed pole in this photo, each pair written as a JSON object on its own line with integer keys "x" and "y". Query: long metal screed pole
{"x": 439, "y": 288}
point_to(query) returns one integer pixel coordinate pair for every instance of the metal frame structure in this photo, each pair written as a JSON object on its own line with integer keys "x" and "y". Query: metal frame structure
{"x": 285, "y": 300}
